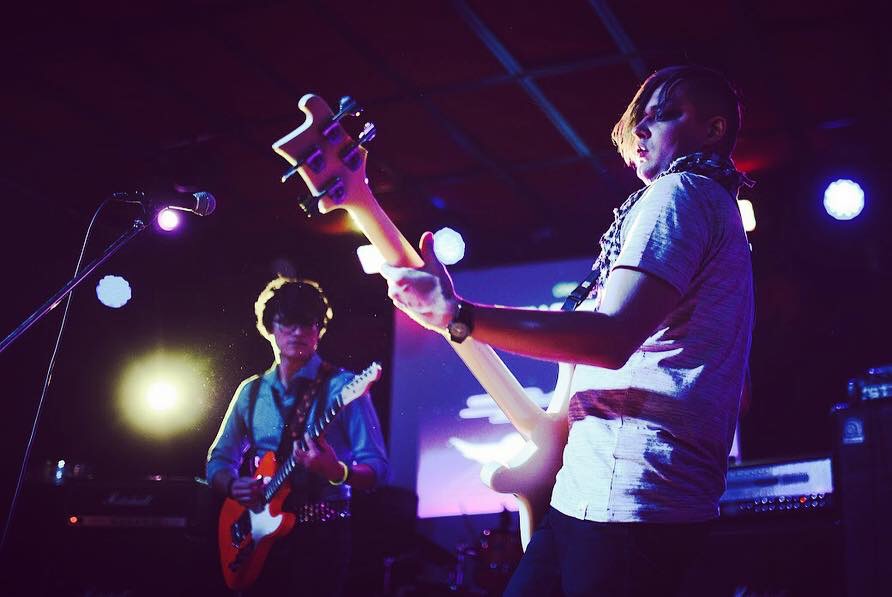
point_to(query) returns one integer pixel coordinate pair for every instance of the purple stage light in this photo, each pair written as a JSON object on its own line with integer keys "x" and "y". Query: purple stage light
{"x": 168, "y": 219}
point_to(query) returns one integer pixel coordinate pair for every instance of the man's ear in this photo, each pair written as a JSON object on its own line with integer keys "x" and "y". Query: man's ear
{"x": 716, "y": 129}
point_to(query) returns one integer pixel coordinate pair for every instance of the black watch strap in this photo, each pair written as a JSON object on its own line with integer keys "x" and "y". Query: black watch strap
{"x": 462, "y": 323}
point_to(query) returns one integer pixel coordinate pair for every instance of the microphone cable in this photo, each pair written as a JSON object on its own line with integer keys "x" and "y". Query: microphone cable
{"x": 46, "y": 384}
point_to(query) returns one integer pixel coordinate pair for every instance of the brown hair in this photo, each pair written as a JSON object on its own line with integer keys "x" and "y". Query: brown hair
{"x": 708, "y": 89}
{"x": 291, "y": 300}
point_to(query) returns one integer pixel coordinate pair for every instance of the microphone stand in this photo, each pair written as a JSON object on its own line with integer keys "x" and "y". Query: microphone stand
{"x": 137, "y": 227}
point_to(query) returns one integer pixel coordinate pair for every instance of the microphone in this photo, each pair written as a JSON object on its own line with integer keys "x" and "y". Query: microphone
{"x": 201, "y": 203}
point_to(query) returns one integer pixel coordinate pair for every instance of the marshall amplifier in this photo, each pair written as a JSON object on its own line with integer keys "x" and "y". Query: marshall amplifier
{"x": 146, "y": 536}
{"x": 151, "y": 502}
{"x": 128, "y": 536}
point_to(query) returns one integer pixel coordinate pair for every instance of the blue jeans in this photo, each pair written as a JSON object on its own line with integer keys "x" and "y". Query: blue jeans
{"x": 569, "y": 557}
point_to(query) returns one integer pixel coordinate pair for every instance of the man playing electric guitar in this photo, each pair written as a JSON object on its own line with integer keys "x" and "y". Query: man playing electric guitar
{"x": 661, "y": 351}
{"x": 297, "y": 391}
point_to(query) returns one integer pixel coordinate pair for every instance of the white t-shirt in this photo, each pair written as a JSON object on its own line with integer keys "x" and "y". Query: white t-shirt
{"x": 649, "y": 441}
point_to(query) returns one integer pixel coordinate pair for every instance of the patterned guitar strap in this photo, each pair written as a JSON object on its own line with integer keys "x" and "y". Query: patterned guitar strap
{"x": 304, "y": 488}
{"x": 719, "y": 169}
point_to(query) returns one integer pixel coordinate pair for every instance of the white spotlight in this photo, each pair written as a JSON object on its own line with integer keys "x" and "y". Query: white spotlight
{"x": 449, "y": 246}
{"x": 113, "y": 291}
{"x": 844, "y": 199}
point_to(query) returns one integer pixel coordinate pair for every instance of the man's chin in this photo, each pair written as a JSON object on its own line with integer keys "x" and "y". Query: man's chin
{"x": 298, "y": 353}
{"x": 648, "y": 172}
{"x": 643, "y": 173}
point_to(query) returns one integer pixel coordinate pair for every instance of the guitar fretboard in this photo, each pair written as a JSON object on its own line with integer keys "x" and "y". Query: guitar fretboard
{"x": 288, "y": 467}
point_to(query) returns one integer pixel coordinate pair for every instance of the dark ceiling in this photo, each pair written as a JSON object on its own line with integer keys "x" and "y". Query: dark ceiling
{"x": 493, "y": 117}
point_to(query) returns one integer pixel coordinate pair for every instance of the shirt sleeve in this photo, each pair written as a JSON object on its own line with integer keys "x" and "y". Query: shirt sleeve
{"x": 232, "y": 439}
{"x": 667, "y": 232}
{"x": 366, "y": 440}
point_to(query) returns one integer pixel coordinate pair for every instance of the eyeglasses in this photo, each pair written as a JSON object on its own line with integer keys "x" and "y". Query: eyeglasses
{"x": 291, "y": 328}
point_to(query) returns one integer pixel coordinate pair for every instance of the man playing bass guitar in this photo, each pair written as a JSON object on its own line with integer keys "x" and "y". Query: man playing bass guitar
{"x": 661, "y": 348}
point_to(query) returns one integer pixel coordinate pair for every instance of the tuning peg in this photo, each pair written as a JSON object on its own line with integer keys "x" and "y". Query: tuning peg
{"x": 347, "y": 106}
{"x": 314, "y": 160}
{"x": 309, "y": 204}
{"x": 335, "y": 189}
{"x": 351, "y": 158}
{"x": 350, "y": 155}
{"x": 368, "y": 133}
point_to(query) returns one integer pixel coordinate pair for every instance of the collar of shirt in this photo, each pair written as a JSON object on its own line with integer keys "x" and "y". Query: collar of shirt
{"x": 308, "y": 371}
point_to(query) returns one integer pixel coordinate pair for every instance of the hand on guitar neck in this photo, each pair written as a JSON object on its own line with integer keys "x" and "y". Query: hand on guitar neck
{"x": 425, "y": 294}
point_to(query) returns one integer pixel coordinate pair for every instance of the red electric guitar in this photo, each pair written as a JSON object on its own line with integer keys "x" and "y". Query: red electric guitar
{"x": 245, "y": 535}
{"x": 332, "y": 165}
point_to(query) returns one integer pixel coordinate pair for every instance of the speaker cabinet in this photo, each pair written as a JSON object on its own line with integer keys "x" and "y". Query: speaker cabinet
{"x": 863, "y": 468}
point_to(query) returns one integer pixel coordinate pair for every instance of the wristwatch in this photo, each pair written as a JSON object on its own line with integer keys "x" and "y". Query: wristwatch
{"x": 462, "y": 323}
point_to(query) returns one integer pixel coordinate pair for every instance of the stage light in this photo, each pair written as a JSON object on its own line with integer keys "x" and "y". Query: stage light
{"x": 747, "y": 214}
{"x": 164, "y": 394}
{"x": 844, "y": 199}
{"x": 168, "y": 219}
{"x": 370, "y": 258}
{"x": 449, "y": 246}
{"x": 113, "y": 291}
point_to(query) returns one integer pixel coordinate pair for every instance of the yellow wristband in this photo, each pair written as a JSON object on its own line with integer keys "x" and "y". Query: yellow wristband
{"x": 346, "y": 474}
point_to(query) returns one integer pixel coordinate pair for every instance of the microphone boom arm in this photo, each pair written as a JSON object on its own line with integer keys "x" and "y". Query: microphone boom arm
{"x": 138, "y": 226}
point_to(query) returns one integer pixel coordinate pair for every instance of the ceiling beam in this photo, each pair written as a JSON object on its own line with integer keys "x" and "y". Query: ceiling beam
{"x": 531, "y": 88}
{"x": 357, "y": 41}
{"x": 620, "y": 38}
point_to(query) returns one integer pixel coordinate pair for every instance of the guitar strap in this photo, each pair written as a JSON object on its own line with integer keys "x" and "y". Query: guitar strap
{"x": 295, "y": 417}
{"x": 304, "y": 489}
{"x": 307, "y": 392}
{"x": 252, "y": 402}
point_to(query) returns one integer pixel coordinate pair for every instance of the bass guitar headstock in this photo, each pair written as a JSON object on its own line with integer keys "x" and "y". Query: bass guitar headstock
{"x": 330, "y": 161}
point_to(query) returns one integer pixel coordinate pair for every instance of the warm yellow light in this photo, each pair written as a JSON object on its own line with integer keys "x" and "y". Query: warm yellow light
{"x": 164, "y": 394}
{"x": 747, "y": 214}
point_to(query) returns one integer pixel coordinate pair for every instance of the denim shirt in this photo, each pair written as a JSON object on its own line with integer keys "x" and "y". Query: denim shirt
{"x": 354, "y": 435}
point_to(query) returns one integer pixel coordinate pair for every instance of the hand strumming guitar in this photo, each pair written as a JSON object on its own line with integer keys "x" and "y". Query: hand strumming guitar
{"x": 247, "y": 491}
{"x": 320, "y": 459}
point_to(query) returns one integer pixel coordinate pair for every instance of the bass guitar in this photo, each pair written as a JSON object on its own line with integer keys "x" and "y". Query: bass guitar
{"x": 245, "y": 535}
{"x": 333, "y": 166}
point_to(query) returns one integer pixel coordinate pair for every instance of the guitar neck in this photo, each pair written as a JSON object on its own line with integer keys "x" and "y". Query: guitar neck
{"x": 377, "y": 226}
{"x": 284, "y": 471}
{"x": 479, "y": 358}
